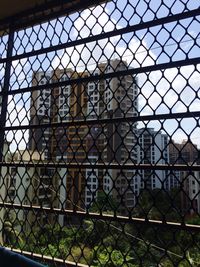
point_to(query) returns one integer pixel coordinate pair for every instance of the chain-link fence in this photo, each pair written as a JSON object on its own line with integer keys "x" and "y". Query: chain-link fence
{"x": 100, "y": 134}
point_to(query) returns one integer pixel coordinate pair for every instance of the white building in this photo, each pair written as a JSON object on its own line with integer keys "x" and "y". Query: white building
{"x": 114, "y": 98}
{"x": 194, "y": 191}
{"x": 152, "y": 149}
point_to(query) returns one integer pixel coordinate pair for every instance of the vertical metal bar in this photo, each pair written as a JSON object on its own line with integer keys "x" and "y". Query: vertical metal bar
{"x": 5, "y": 90}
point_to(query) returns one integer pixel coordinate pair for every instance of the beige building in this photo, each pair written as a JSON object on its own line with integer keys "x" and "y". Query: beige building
{"x": 4, "y": 184}
{"x": 32, "y": 186}
{"x": 100, "y": 99}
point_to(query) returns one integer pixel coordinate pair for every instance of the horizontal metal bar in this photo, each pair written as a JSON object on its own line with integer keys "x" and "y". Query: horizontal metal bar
{"x": 103, "y": 76}
{"x": 117, "y": 121}
{"x": 101, "y": 36}
{"x": 107, "y": 166}
{"x": 47, "y": 258}
{"x": 104, "y": 217}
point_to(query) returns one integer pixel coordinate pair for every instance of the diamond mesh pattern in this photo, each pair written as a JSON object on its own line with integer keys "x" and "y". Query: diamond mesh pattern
{"x": 99, "y": 137}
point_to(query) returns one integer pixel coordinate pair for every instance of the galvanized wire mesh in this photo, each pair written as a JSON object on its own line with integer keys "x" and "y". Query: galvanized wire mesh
{"x": 99, "y": 144}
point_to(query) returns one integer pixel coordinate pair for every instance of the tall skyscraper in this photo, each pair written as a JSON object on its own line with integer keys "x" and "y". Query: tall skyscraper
{"x": 121, "y": 101}
{"x": 40, "y": 113}
{"x": 109, "y": 143}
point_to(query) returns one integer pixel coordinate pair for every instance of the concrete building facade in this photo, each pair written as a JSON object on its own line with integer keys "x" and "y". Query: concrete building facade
{"x": 110, "y": 143}
{"x": 153, "y": 149}
{"x": 187, "y": 153}
{"x": 32, "y": 186}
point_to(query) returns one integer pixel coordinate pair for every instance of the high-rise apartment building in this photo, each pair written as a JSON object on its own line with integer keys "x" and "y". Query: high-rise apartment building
{"x": 40, "y": 113}
{"x": 121, "y": 100}
{"x": 110, "y": 143}
{"x": 187, "y": 153}
{"x": 190, "y": 196}
{"x": 183, "y": 153}
{"x": 153, "y": 149}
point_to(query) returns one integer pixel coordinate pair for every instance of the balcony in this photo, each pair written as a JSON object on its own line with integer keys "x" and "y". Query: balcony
{"x": 99, "y": 137}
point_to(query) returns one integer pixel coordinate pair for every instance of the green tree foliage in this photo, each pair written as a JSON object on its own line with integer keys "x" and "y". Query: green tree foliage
{"x": 159, "y": 204}
{"x": 96, "y": 242}
{"x": 10, "y": 233}
{"x": 103, "y": 203}
{"x": 111, "y": 257}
